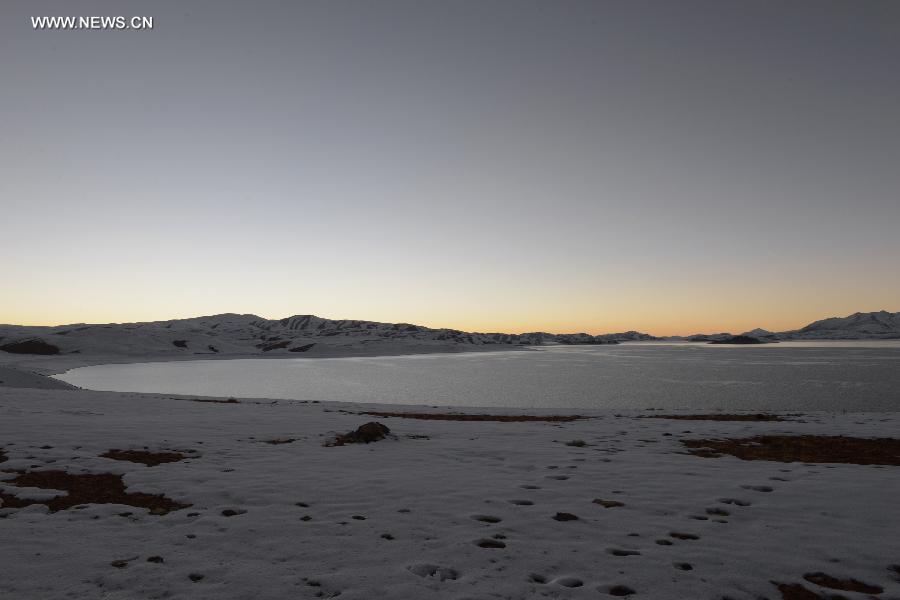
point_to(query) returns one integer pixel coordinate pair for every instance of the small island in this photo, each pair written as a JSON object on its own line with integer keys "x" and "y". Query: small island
{"x": 742, "y": 339}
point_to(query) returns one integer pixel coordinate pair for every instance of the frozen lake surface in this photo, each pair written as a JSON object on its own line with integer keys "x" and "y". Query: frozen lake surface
{"x": 829, "y": 376}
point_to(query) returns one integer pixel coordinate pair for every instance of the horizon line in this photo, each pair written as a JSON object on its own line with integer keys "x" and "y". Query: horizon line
{"x": 522, "y": 332}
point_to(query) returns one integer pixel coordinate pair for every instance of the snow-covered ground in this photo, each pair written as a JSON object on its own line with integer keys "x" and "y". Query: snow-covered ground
{"x": 403, "y": 517}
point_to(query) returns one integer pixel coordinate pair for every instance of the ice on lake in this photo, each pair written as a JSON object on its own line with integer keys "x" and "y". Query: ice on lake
{"x": 825, "y": 376}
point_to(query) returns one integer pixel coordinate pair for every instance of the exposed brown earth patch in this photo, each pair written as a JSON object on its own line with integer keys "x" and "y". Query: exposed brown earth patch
{"x": 215, "y": 400}
{"x": 795, "y": 591}
{"x": 847, "y": 585}
{"x": 718, "y": 417}
{"x": 802, "y": 448}
{"x": 564, "y": 516}
{"x": 607, "y": 503}
{"x": 461, "y": 417}
{"x": 684, "y": 536}
{"x": 151, "y": 459}
{"x": 90, "y": 488}
{"x": 33, "y": 346}
{"x": 365, "y": 434}
{"x": 490, "y": 543}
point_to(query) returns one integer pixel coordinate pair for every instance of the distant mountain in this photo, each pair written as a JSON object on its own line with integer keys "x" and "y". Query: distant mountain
{"x": 233, "y": 334}
{"x": 858, "y": 326}
{"x": 628, "y": 336}
{"x": 759, "y": 333}
{"x": 741, "y": 339}
{"x": 707, "y": 337}
{"x": 871, "y": 325}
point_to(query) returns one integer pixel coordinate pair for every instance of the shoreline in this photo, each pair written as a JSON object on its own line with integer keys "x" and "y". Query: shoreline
{"x": 48, "y": 366}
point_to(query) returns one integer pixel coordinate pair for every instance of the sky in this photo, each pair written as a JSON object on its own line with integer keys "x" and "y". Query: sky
{"x": 489, "y": 165}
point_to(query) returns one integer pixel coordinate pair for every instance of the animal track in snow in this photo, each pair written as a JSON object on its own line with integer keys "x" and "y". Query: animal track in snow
{"x": 569, "y": 582}
{"x": 619, "y": 590}
{"x": 487, "y": 518}
{"x": 758, "y": 488}
{"x": 426, "y": 570}
{"x": 619, "y": 552}
{"x": 734, "y": 501}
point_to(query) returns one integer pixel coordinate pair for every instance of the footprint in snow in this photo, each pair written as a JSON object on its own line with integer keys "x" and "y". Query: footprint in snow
{"x": 521, "y": 502}
{"x": 620, "y": 552}
{"x": 564, "y": 516}
{"x": 684, "y": 536}
{"x": 759, "y": 488}
{"x": 734, "y": 501}
{"x": 569, "y": 582}
{"x": 487, "y": 518}
{"x": 607, "y": 503}
{"x": 618, "y": 590}
{"x": 429, "y": 571}
{"x": 233, "y": 512}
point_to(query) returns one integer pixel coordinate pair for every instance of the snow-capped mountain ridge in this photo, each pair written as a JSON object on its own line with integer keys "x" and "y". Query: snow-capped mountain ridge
{"x": 880, "y": 324}
{"x": 243, "y": 334}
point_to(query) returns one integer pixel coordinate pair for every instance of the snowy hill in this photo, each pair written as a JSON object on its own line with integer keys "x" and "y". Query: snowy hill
{"x": 872, "y": 325}
{"x": 232, "y": 334}
{"x": 858, "y": 326}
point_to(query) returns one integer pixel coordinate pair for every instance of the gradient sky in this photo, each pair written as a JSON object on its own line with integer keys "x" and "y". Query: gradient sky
{"x": 671, "y": 167}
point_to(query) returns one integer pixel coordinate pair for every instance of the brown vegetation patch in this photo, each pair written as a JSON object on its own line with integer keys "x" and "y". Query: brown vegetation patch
{"x": 151, "y": 459}
{"x": 34, "y": 346}
{"x": 795, "y": 591}
{"x": 608, "y": 503}
{"x": 847, "y": 585}
{"x": 802, "y": 448}
{"x": 461, "y": 417}
{"x": 370, "y": 432}
{"x": 274, "y": 345}
{"x": 215, "y": 400}
{"x": 718, "y": 417}
{"x": 278, "y": 441}
{"x": 99, "y": 488}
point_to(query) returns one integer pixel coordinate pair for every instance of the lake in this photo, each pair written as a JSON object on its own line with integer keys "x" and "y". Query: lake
{"x": 832, "y": 376}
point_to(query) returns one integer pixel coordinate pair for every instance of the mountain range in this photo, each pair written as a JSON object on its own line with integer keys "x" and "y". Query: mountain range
{"x": 237, "y": 334}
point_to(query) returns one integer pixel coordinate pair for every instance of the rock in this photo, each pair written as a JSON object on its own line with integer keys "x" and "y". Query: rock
{"x": 370, "y": 432}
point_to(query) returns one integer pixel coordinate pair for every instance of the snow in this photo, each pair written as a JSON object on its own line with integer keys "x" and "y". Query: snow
{"x": 421, "y": 493}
